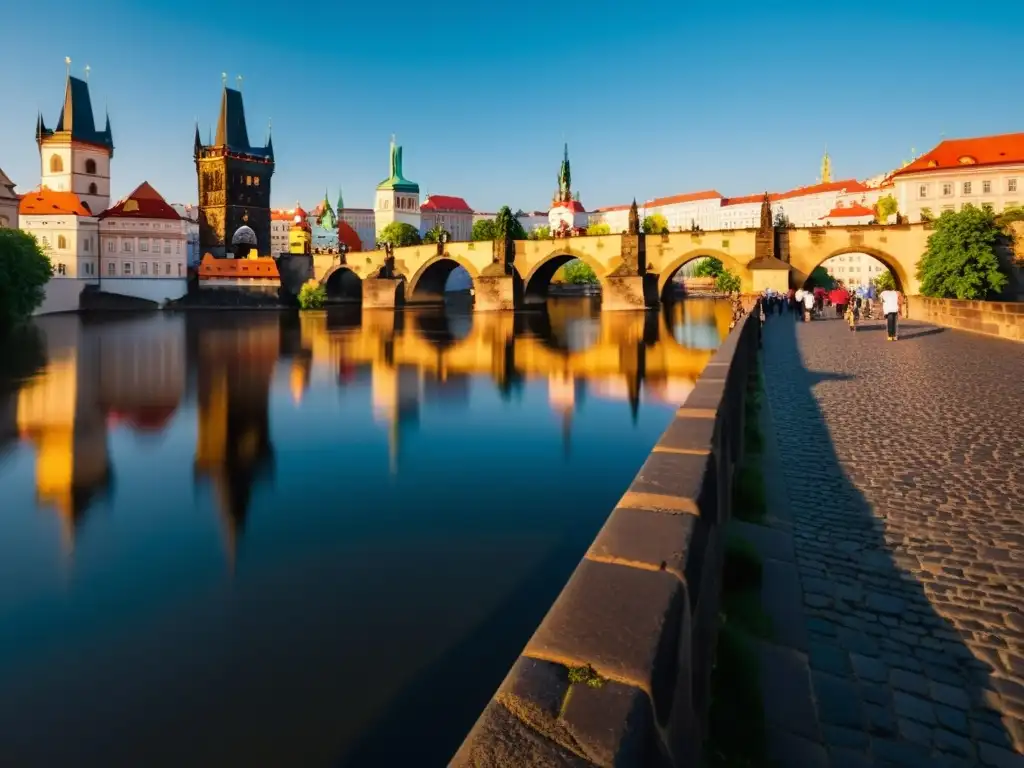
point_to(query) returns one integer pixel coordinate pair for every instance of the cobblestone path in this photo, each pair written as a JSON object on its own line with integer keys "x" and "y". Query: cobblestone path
{"x": 904, "y": 469}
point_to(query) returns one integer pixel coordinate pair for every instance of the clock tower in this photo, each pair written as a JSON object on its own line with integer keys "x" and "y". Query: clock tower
{"x": 234, "y": 182}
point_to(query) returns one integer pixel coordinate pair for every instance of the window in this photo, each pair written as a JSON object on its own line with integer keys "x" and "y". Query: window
{"x": 127, "y": 246}
{"x": 922, "y": 191}
{"x": 92, "y": 188}
{"x": 987, "y": 207}
{"x": 167, "y": 246}
{"x": 967, "y": 187}
{"x": 87, "y": 244}
{"x": 90, "y": 166}
{"x": 111, "y": 268}
{"x": 177, "y": 247}
{"x": 1011, "y": 185}
{"x": 947, "y": 190}
{"x": 986, "y": 187}
{"x": 127, "y": 267}
{"x": 62, "y": 243}
{"x": 144, "y": 268}
{"x": 156, "y": 269}
{"x": 167, "y": 268}
{"x": 179, "y": 270}
{"x": 144, "y": 244}
{"x": 56, "y": 164}
{"x": 61, "y": 269}
{"x": 1011, "y": 204}
{"x": 110, "y": 245}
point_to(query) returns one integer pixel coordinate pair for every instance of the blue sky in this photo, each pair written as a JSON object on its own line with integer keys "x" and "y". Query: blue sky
{"x": 668, "y": 98}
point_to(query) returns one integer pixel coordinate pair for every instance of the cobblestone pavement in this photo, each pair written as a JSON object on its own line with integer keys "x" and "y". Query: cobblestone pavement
{"x": 904, "y": 466}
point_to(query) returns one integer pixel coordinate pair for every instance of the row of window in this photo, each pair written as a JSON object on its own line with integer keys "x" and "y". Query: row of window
{"x": 62, "y": 243}
{"x": 127, "y": 245}
{"x": 967, "y": 188}
{"x": 57, "y": 165}
{"x": 128, "y": 269}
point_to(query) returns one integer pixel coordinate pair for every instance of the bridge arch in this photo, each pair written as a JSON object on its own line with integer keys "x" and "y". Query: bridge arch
{"x": 538, "y": 279}
{"x": 427, "y": 284}
{"x": 669, "y": 270}
{"x": 894, "y": 265}
{"x": 342, "y": 284}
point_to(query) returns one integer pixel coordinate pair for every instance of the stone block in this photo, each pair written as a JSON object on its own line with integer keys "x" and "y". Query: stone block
{"x": 706, "y": 395}
{"x": 494, "y": 294}
{"x": 383, "y": 293}
{"x": 687, "y": 434}
{"x": 652, "y": 540}
{"x": 624, "y": 622}
{"x": 612, "y": 725}
{"x": 671, "y": 482}
{"x": 534, "y": 690}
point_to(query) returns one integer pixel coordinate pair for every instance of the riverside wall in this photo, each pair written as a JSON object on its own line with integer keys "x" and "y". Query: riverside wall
{"x": 991, "y": 318}
{"x": 619, "y": 671}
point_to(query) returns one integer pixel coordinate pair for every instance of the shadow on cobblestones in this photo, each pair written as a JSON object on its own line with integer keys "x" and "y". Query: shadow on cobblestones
{"x": 905, "y": 506}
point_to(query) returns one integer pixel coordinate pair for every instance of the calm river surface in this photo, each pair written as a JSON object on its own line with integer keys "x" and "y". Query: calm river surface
{"x": 264, "y": 540}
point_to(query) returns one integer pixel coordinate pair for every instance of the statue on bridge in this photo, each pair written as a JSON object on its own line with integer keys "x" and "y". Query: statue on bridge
{"x": 766, "y": 213}
{"x": 634, "y": 219}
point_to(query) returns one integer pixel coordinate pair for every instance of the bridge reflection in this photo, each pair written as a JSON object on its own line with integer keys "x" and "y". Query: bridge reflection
{"x": 225, "y": 370}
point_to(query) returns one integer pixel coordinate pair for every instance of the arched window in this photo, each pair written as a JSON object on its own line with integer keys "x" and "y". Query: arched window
{"x": 90, "y": 166}
{"x": 56, "y": 164}
{"x": 92, "y": 187}
{"x": 62, "y": 242}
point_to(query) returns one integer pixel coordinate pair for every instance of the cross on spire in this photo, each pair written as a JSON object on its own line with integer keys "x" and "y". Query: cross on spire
{"x": 67, "y": 63}
{"x": 224, "y": 78}
{"x": 87, "y": 70}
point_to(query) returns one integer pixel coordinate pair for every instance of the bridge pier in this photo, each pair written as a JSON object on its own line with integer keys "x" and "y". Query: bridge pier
{"x": 629, "y": 292}
{"x": 383, "y": 293}
{"x": 497, "y": 293}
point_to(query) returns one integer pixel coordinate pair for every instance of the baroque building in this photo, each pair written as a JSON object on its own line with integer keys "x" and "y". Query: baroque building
{"x": 234, "y": 182}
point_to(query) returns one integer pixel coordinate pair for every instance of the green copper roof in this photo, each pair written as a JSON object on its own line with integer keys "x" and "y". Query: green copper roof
{"x": 396, "y": 180}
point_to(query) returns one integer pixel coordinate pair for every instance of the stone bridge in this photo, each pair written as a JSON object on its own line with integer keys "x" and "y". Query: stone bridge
{"x": 633, "y": 270}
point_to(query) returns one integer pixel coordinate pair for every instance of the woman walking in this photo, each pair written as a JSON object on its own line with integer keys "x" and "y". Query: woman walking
{"x": 891, "y": 301}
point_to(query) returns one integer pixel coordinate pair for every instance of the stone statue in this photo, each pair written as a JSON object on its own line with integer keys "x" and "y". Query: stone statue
{"x": 766, "y": 213}
{"x": 634, "y": 219}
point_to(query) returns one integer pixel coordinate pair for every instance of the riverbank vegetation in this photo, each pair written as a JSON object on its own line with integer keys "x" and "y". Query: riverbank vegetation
{"x": 24, "y": 271}
{"x": 312, "y": 295}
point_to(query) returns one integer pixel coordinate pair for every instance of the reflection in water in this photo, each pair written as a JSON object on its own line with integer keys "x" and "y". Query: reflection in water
{"x": 372, "y": 474}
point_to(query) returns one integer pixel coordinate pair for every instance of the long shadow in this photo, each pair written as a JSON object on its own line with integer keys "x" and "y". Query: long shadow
{"x": 433, "y": 713}
{"x": 877, "y": 548}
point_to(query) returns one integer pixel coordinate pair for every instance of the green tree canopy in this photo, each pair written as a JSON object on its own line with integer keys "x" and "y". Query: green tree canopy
{"x": 433, "y": 234}
{"x": 885, "y": 208}
{"x": 709, "y": 266}
{"x": 312, "y": 295}
{"x": 727, "y": 282}
{"x": 578, "y": 272}
{"x": 24, "y": 271}
{"x": 961, "y": 260}
{"x": 885, "y": 282}
{"x": 399, "y": 234}
{"x": 483, "y": 229}
{"x": 540, "y": 233}
{"x": 821, "y": 278}
{"x": 599, "y": 229}
{"x": 506, "y": 222}
{"x": 1010, "y": 215}
{"x": 655, "y": 224}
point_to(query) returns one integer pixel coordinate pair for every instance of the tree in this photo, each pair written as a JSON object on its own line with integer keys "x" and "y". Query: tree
{"x": 781, "y": 220}
{"x": 1010, "y": 215}
{"x": 433, "y": 234}
{"x": 399, "y": 234}
{"x": 483, "y": 230}
{"x": 821, "y": 278}
{"x": 961, "y": 260}
{"x": 885, "y": 208}
{"x": 578, "y": 272}
{"x": 709, "y": 266}
{"x": 506, "y": 222}
{"x": 655, "y": 224}
{"x": 540, "y": 233}
{"x": 312, "y": 295}
{"x": 884, "y": 282}
{"x": 926, "y": 215}
{"x": 599, "y": 229}
{"x": 24, "y": 271}
{"x": 727, "y": 282}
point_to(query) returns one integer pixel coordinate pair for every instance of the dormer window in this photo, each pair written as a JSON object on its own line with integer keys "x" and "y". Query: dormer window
{"x": 933, "y": 163}
{"x": 967, "y": 160}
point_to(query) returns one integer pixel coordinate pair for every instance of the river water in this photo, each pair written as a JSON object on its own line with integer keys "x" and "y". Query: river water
{"x": 262, "y": 539}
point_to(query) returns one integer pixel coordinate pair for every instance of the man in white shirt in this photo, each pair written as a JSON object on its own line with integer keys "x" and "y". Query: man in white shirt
{"x": 891, "y": 309}
{"x": 808, "y": 305}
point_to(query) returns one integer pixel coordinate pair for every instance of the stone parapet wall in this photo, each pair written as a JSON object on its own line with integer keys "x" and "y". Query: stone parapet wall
{"x": 619, "y": 671}
{"x": 992, "y": 318}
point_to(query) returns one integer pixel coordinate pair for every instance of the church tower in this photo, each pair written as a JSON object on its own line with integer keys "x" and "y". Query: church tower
{"x": 234, "y": 181}
{"x": 398, "y": 199}
{"x": 826, "y": 168}
{"x": 75, "y": 156}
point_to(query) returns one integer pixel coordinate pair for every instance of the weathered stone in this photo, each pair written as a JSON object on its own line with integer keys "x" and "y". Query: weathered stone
{"x": 868, "y": 668}
{"x": 500, "y": 740}
{"x": 612, "y": 724}
{"x": 914, "y": 708}
{"x": 652, "y": 540}
{"x": 669, "y": 482}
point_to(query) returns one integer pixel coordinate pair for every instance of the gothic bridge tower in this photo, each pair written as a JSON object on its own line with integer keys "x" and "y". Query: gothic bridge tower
{"x": 234, "y": 181}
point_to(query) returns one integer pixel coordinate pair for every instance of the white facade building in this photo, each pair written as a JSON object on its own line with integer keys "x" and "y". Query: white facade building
{"x": 615, "y": 216}
{"x": 190, "y": 214}
{"x": 987, "y": 171}
{"x": 67, "y": 232}
{"x": 452, "y": 213}
{"x": 397, "y": 199}
{"x": 8, "y": 202}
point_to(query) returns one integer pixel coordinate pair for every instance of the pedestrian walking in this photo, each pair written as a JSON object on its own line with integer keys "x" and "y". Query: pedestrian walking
{"x": 809, "y": 302}
{"x": 891, "y": 301}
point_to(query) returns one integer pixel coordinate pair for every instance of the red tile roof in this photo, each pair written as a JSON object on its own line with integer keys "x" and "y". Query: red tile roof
{"x": 690, "y": 197}
{"x": 44, "y": 201}
{"x": 747, "y": 199}
{"x": 445, "y": 203}
{"x": 984, "y": 150}
{"x": 280, "y": 214}
{"x": 573, "y": 205}
{"x": 348, "y": 236}
{"x": 849, "y": 211}
{"x": 263, "y": 267}
{"x": 610, "y": 208}
{"x": 144, "y": 203}
{"x": 846, "y": 185}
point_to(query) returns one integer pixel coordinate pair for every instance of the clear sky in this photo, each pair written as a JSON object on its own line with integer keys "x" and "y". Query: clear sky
{"x": 654, "y": 99}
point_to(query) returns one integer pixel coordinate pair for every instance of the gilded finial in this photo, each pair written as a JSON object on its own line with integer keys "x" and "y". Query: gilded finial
{"x": 67, "y": 63}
